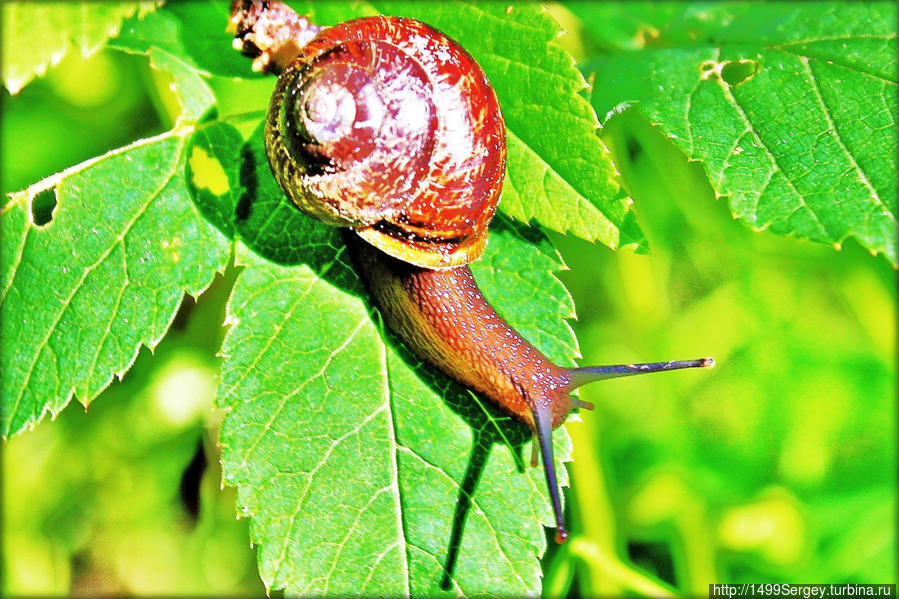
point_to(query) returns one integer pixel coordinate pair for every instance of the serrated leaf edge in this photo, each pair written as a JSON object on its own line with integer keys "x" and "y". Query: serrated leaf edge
{"x": 52, "y": 182}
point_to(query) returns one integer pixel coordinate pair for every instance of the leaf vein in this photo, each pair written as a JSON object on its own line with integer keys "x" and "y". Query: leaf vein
{"x": 583, "y": 202}
{"x": 19, "y": 255}
{"x": 475, "y": 503}
{"x": 350, "y": 530}
{"x": 772, "y": 158}
{"x": 847, "y": 65}
{"x": 67, "y": 302}
{"x": 392, "y": 432}
{"x": 287, "y": 316}
{"x": 308, "y": 380}
{"x": 311, "y": 476}
{"x": 832, "y": 125}
{"x": 375, "y": 565}
{"x": 118, "y": 303}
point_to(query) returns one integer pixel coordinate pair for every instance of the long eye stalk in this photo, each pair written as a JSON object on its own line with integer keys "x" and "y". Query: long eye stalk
{"x": 590, "y": 374}
{"x": 579, "y": 377}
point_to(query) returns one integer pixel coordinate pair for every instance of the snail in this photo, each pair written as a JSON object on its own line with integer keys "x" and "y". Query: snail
{"x": 388, "y": 128}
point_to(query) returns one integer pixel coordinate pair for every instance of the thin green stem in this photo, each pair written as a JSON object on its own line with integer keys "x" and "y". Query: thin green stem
{"x": 613, "y": 567}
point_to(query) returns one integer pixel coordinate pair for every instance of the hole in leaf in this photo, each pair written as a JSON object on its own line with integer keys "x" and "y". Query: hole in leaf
{"x": 710, "y": 70}
{"x": 737, "y": 72}
{"x": 42, "y": 207}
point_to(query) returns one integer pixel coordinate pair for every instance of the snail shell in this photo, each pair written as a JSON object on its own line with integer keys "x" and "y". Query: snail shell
{"x": 387, "y": 126}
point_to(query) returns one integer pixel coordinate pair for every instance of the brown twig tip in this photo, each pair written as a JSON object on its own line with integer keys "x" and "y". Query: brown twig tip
{"x": 708, "y": 362}
{"x": 270, "y": 32}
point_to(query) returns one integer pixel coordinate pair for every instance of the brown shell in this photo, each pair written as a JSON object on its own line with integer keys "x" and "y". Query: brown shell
{"x": 387, "y": 126}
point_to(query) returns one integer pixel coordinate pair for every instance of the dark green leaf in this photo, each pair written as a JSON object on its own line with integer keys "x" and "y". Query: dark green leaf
{"x": 192, "y": 92}
{"x": 790, "y": 107}
{"x": 192, "y": 30}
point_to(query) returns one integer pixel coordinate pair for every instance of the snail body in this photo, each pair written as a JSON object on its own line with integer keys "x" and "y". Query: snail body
{"x": 387, "y": 127}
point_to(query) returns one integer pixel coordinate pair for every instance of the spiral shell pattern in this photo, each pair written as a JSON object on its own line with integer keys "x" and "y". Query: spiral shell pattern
{"x": 387, "y": 126}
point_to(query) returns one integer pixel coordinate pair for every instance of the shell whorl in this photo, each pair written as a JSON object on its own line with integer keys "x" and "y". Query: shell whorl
{"x": 387, "y": 126}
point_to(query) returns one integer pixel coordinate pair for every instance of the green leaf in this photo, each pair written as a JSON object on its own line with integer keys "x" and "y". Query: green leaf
{"x": 533, "y": 190}
{"x": 209, "y": 46}
{"x": 159, "y": 36}
{"x": 192, "y": 30}
{"x": 351, "y": 464}
{"x": 348, "y": 453}
{"x": 192, "y": 92}
{"x": 559, "y": 172}
{"x": 37, "y": 35}
{"x": 159, "y": 29}
{"x": 790, "y": 107}
{"x": 96, "y": 260}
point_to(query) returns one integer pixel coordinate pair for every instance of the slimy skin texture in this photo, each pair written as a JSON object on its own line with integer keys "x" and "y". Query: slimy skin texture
{"x": 444, "y": 319}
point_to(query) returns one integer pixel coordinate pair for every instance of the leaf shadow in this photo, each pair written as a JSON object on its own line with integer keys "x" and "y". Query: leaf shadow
{"x": 251, "y": 208}
{"x": 489, "y": 426}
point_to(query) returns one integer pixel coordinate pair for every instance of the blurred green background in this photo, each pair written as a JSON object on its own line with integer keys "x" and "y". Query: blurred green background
{"x": 777, "y": 466}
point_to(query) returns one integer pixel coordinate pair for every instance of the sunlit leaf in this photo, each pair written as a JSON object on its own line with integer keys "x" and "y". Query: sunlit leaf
{"x": 37, "y": 35}
{"x": 96, "y": 260}
{"x": 791, "y": 108}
